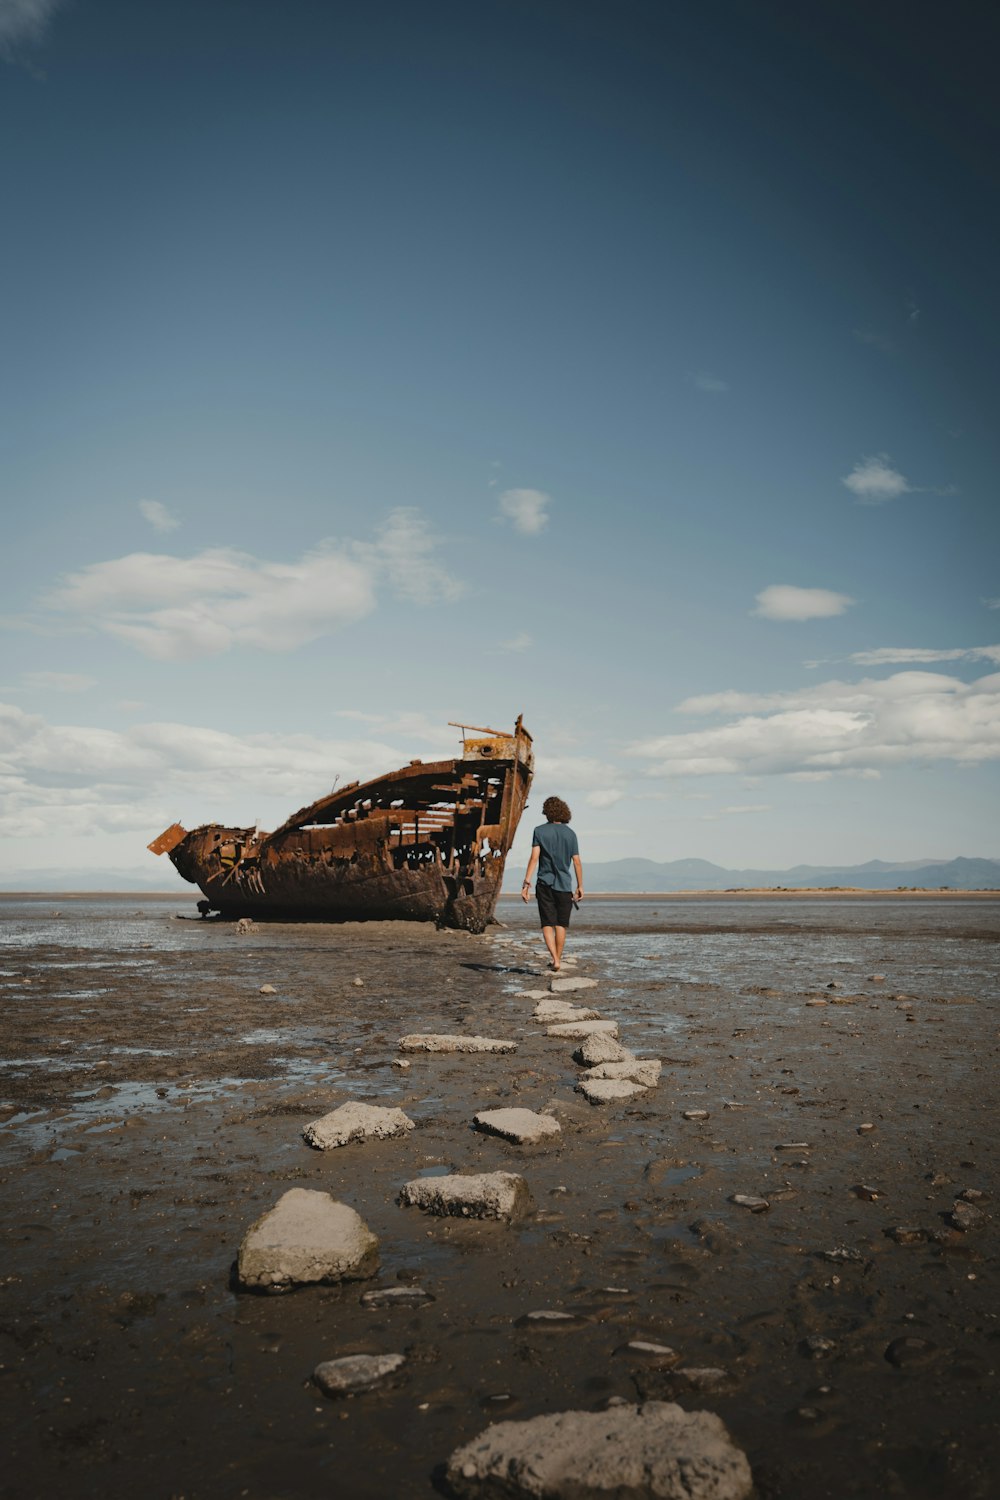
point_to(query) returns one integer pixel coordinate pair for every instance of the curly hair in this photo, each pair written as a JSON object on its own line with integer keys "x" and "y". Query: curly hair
{"x": 556, "y": 810}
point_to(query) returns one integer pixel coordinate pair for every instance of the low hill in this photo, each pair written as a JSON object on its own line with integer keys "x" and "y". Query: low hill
{"x": 636, "y": 876}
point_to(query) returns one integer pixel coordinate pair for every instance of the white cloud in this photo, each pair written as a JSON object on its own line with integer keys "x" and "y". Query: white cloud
{"x": 66, "y": 779}
{"x": 897, "y": 655}
{"x": 58, "y": 682}
{"x": 25, "y": 20}
{"x": 992, "y": 603}
{"x": 908, "y": 718}
{"x": 783, "y": 601}
{"x": 157, "y": 515}
{"x": 747, "y": 807}
{"x": 179, "y": 608}
{"x": 874, "y": 481}
{"x": 604, "y": 797}
{"x": 576, "y": 772}
{"x": 526, "y": 510}
{"x": 710, "y": 384}
{"x": 519, "y": 642}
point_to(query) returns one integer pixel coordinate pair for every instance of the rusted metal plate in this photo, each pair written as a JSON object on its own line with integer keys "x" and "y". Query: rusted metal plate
{"x": 168, "y": 839}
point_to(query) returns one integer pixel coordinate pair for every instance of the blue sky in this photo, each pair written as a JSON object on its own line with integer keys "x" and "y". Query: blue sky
{"x": 632, "y": 367}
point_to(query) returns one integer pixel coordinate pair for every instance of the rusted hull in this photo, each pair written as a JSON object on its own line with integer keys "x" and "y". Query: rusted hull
{"x": 426, "y": 843}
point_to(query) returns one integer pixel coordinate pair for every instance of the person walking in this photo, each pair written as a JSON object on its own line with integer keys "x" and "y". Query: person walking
{"x": 555, "y": 854}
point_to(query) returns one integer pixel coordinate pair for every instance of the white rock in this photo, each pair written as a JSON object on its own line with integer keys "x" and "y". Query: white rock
{"x": 522, "y": 1126}
{"x": 355, "y": 1122}
{"x": 267, "y": 989}
{"x": 651, "y": 1452}
{"x": 600, "y": 1047}
{"x": 396, "y": 1296}
{"x": 355, "y": 1372}
{"x": 566, "y": 986}
{"x": 487, "y": 1195}
{"x": 549, "y": 1012}
{"x": 428, "y": 1042}
{"x": 644, "y": 1070}
{"x": 576, "y": 1030}
{"x": 608, "y": 1090}
{"x": 534, "y": 994}
{"x": 306, "y": 1237}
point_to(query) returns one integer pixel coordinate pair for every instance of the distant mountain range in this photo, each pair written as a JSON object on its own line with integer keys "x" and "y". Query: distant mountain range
{"x": 635, "y": 876}
{"x": 617, "y": 877}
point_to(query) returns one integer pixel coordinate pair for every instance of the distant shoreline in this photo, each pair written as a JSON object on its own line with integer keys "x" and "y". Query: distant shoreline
{"x": 909, "y": 893}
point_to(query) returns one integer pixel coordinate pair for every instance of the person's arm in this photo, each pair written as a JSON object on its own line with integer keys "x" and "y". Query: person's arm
{"x": 532, "y": 867}
{"x": 578, "y": 867}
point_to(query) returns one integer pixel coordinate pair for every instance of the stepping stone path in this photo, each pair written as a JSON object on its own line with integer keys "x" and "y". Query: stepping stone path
{"x": 575, "y": 1031}
{"x": 656, "y": 1451}
{"x": 522, "y": 1126}
{"x": 550, "y": 1011}
{"x": 355, "y": 1372}
{"x": 559, "y": 986}
{"x": 644, "y": 1070}
{"x": 307, "y": 1237}
{"x": 601, "y": 1047}
{"x": 356, "y": 1122}
{"x": 608, "y": 1090}
{"x": 428, "y": 1042}
{"x": 488, "y": 1195}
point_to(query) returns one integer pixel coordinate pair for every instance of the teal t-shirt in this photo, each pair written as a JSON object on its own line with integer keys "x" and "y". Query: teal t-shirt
{"x": 557, "y": 844}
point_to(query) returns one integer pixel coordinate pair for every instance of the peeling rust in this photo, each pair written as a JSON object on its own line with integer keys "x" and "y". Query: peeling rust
{"x": 426, "y": 843}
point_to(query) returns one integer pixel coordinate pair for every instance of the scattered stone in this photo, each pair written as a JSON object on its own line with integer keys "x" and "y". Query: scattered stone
{"x": 267, "y": 989}
{"x": 972, "y": 1195}
{"x": 817, "y": 1002}
{"x": 608, "y": 1090}
{"x": 644, "y": 1070}
{"x": 559, "y": 986}
{"x": 601, "y": 1047}
{"x": 696, "y": 1114}
{"x": 550, "y": 1321}
{"x": 910, "y": 1351}
{"x": 843, "y": 1255}
{"x": 966, "y": 1216}
{"x": 699, "y": 1378}
{"x": 428, "y": 1042}
{"x": 817, "y": 1347}
{"x": 659, "y": 1355}
{"x": 835, "y": 984}
{"x": 306, "y": 1237}
{"x": 246, "y": 925}
{"x": 907, "y": 1234}
{"x": 396, "y": 1296}
{"x": 401, "y": 1063}
{"x": 486, "y": 1195}
{"x": 576, "y": 1031}
{"x": 355, "y": 1373}
{"x": 355, "y": 1122}
{"x": 550, "y": 1012}
{"x": 755, "y": 1205}
{"x": 794, "y": 1146}
{"x": 869, "y": 1194}
{"x": 657, "y": 1451}
{"x": 865, "y": 1128}
{"x": 522, "y": 1126}
{"x": 876, "y": 979}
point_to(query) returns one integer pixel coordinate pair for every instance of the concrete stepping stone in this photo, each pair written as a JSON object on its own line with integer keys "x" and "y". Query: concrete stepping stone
{"x": 551, "y": 1012}
{"x": 644, "y": 1070}
{"x": 355, "y": 1372}
{"x": 577, "y": 1031}
{"x": 601, "y": 1047}
{"x": 305, "y": 1238}
{"x": 430, "y": 1042}
{"x": 486, "y": 1195}
{"x": 355, "y": 1122}
{"x": 608, "y": 1090}
{"x": 522, "y": 1126}
{"x": 560, "y": 986}
{"x": 657, "y": 1451}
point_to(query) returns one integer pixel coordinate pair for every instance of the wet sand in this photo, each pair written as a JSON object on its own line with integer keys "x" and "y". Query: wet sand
{"x": 154, "y": 1102}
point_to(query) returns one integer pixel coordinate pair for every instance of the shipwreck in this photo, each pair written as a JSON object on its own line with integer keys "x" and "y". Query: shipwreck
{"x": 426, "y": 843}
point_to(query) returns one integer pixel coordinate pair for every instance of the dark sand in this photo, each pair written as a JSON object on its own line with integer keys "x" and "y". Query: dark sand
{"x": 131, "y": 1367}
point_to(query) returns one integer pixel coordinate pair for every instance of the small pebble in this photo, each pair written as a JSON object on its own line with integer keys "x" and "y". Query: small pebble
{"x": 746, "y": 1200}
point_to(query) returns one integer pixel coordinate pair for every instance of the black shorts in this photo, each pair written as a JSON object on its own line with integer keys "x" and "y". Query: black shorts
{"x": 554, "y": 907}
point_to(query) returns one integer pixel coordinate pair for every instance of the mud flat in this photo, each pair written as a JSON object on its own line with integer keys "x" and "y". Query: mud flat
{"x": 794, "y": 1228}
